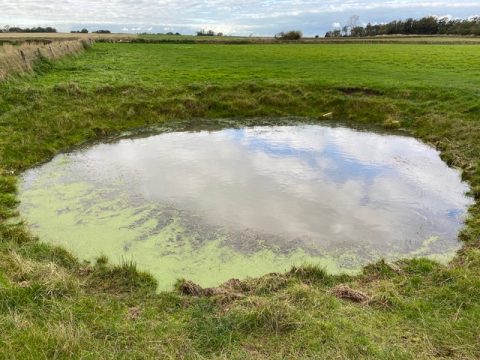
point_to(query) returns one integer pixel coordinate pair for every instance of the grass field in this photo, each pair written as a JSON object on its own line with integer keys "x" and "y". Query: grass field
{"x": 382, "y": 67}
{"x": 53, "y": 306}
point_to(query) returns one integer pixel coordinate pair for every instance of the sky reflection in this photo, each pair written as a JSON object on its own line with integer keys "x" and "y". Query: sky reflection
{"x": 316, "y": 189}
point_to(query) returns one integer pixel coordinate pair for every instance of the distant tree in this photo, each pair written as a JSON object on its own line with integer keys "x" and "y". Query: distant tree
{"x": 353, "y": 21}
{"x": 334, "y": 33}
{"x": 205, "y": 33}
{"x": 16, "y": 29}
{"x": 357, "y": 31}
{"x": 429, "y": 25}
{"x": 289, "y": 35}
{"x": 83, "y": 31}
{"x": 102, "y": 32}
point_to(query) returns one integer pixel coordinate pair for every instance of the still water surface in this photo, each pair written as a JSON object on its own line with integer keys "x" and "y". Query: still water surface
{"x": 209, "y": 206}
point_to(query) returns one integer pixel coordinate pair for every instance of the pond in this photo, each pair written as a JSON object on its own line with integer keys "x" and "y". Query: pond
{"x": 213, "y": 205}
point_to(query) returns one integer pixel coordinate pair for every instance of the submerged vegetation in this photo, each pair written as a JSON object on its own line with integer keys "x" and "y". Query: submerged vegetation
{"x": 54, "y": 306}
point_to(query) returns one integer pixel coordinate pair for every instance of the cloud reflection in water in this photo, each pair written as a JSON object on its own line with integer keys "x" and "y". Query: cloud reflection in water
{"x": 316, "y": 188}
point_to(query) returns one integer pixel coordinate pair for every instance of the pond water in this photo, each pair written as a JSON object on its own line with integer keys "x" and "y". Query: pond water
{"x": 210, "y": 206}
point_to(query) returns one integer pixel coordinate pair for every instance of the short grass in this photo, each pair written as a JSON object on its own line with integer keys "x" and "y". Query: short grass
{"x": 53, "y": 306}
{"x": 400, "y": 67}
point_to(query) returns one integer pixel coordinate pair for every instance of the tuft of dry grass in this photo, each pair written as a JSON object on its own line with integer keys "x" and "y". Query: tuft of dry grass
{"x": 18, "y": 60}
{"x": 344, "y": 291}
{"x": 54, "y": 279}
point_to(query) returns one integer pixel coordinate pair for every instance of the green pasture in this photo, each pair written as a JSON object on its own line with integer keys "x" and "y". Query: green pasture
{"x": 55, "y": 306}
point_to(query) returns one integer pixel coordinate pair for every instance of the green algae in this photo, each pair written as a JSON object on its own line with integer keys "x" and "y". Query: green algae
{"x": 106, "y": 228}
{"x": 99, "y": 225}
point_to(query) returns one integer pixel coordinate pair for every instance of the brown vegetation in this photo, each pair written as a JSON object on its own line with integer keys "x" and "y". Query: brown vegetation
{"x": 233, "y": 288}
{"x": 17, "y": 60}
{"x": 343, "y": 291}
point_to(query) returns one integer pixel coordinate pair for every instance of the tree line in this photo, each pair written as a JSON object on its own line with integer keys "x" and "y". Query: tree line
{"x": 429, "y": 25}
{"x": 204, "y": 32}
{"x": 16, "y": 29}
{"x": 85, "y": 31}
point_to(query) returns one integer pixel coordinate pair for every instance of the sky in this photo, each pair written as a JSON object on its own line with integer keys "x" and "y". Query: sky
{"x": 231, "y": 17}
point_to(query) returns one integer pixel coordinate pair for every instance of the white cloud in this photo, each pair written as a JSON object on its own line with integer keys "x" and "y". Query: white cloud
{"x": 233, "y": 17}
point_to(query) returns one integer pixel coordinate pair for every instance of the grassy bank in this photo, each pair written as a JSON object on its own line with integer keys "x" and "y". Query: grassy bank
{"x": 52, "y": 305}
{"x": 21, "y": 59}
